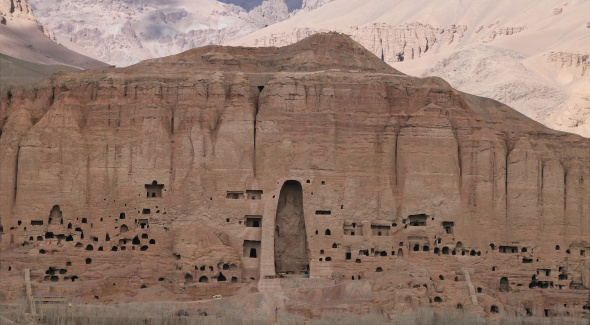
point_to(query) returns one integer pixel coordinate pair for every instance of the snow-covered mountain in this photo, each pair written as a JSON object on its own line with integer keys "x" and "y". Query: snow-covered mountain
{"x": 531, "y": 55}
{"x": 124, "y": 32}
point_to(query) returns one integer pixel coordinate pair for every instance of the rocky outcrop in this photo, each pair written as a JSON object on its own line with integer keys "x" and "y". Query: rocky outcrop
{"x": 504, "y": 31}
{"x": 194, "y": 173}
{"x": 19, "y": 10}
{"x": 391, "y": 43}
{"x": 563, "y": 60}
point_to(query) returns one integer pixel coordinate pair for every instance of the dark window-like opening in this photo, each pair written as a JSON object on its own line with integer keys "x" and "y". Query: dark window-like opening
{"x": 253, "y": 253}
{"x": 123, "y": 228}
{"x": 418, "y": 220}
{"x": 328, "y": 259}
{"x": 436, "y": 250}
{"x": 221, "y": 277}
{"x": 445, "y": 250}
{"x": 152, "y": 241}
{"x": 379, "y": 269}
{"x": 416, "y": 247}
{"x": 426, "y": 248}
{"x": 234, "y": 195}
{"x": 136, "y": 241}
{"x": 203, "y": 279}
{"x": 122, "y": 215}
{"x": 437, "y": 299}
{"x": 348, "y": 255}
{"x": 253, "y": 221}
{"x": 84, "y": 220}
{"x": 448, "y": 226}
{"x": 556, "y": 247}
{"x": 504, "y": 285}
{"x": 494, "y": 309}
{"x": 146, "y": 211}
{"x": 89, "y": 247}
{"x": 188, "y": 278}
{"x": 328, "y": 232}
{"x": 37, "y": 223}
{"x": 88, "y": 260}
{"x": 323, "y": 212}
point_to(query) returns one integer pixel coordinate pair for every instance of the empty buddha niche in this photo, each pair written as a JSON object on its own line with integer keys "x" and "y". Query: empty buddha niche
{"x": 291, "y": 247}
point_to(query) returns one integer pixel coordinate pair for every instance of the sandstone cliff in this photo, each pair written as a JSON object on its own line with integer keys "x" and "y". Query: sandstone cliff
{"x": 222, "y": 169}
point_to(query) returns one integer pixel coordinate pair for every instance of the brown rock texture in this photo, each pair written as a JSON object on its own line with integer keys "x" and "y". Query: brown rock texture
{"x": 232, "y": 170}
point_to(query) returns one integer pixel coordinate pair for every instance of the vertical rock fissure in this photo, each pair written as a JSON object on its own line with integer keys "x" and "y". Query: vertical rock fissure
{"x": 456, "y": 136}
{"x": 291, "y": 247}
{"x": 15, "y": 177}
{"x": 256, "y": 108}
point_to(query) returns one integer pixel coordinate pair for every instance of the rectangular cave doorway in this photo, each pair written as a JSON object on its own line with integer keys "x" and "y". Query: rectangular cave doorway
{"x": 291, "y": 247}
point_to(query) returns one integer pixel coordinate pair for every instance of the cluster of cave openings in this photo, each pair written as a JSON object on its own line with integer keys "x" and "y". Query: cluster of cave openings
{"x": 378, "y": 230}
{"x": 154, "y": 189}
{"x": 55, "y": 216}
{"x": 252, "y": 248}
{"x": 418, "y": 220}
{"x": 254, "y": 221}
{"x": 290, "y": 247}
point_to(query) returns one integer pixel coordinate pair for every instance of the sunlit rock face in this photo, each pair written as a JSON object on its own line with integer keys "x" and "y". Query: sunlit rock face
{"x": 229, "y": 170}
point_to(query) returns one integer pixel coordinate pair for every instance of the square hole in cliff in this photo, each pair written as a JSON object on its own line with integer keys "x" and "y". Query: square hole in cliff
{"x": 234, "y": 195}
{"x": 251, "y": 248}
{"x": 154, "y": 189}
{"x": 254, "y": 221}
{"x": 254, "y": 194}
{"x": 448, "y": 226}
{"x": 380, "y": 230}
{"x": 418, "y": 220}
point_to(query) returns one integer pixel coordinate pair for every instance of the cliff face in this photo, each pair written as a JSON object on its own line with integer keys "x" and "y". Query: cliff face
{"x": 234, "y": 166}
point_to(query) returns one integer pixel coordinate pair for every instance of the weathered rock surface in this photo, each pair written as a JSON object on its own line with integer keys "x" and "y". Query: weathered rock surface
{"x": 467, "y": 44}
{"x": 188, "y": 175}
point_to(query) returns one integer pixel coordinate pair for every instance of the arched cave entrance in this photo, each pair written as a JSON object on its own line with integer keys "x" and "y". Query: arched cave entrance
{"x": 291, "y": 252}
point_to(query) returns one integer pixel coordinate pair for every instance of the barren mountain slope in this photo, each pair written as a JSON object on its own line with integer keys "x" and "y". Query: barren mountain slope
{"x": 22, "y": 36}
{"x": 126, "y": 32}
{"x": 15, "y": 72}
{"x": 531, "y": 55}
